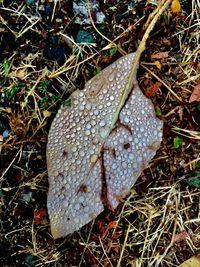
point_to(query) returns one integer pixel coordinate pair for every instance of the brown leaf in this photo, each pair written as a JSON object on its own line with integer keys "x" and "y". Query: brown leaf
{"x": 112, "y": 224}
{"x": 20, "y": 73}
{"x": 195, "y": 96}
{"x": 152, "y": 89}
{"x": 181, "y": 236}
{"x": 160, "y": 55}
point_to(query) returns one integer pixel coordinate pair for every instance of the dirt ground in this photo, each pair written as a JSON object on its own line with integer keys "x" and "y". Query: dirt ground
{"x": 45, "y": 54}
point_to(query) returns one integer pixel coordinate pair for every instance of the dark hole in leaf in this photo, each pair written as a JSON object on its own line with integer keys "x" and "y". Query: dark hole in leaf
{"x": 65, "y": 153}
{"x": 127, "y": 145}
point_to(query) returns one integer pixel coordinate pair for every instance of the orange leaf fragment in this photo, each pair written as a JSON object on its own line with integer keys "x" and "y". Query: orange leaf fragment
{"x": 39, "y": 216}
{"x": 195, "y": 96}
{"x": 152, "y": 89}
{"x": 175, "y": 6}
{"x": 111, "y": 225}
{"x": 160, "y": 55}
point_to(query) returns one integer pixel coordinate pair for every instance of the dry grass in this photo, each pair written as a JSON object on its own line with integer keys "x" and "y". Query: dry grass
{"x": 158, "y": 224}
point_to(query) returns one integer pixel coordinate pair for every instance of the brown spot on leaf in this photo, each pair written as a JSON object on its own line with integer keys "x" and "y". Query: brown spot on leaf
{"x": 65, "y": 153}
{"x": 83, "y": 189}
{"x": 127, "y": 145}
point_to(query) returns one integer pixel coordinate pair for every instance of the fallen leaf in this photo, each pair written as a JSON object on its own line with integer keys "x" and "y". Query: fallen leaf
{"x": 111, "y": 225}
{"x": 152, "y": 89}
{"x": 2, "y": 30}
{"x": 175, "y": 6}
{"x": 192, "y": 262}
{"x": 195, "y": 96}
{"x": 39, "y": 216}
{"x": 158, "y": 64}
{"x": 95, "y": 153}
{"x": 180, "y": 236}
{"x": 20, "y": 73}
{"x": 160, "y": 55}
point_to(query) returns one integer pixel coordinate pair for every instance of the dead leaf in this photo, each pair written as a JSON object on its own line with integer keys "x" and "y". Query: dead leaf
{"x": 160, "y": 55}
{"x": 2, "y": 30}
{"x": 92, "y": 156}
{"x": 192, "y": 262}
{"x": 175, "y": 6}
{"x": 152, "y": 89}
{"x": 111, "y": 225}
{"x": 20, "y": 73}
{"x": 180, "y": 236}
{"x": 195, "y": 96}
{"x": 39, "y": 216}
{"x": 158, "y": 64}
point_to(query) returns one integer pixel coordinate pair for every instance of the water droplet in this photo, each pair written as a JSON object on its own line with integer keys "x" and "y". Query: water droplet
{"x": 77, "y": 206}
{"x": 131, "y": 156}
{"x": 88, "y": 126}
{"x": 101, "y": 97}
{"x": 74, "y": 148}
{"x": 105, "y": 90}
{"x": 88, "y": 106}
{"x": 102, "y": 123}
{"x": 114, "y": 166}
{"x": 87, "y": 132}
{"x": 82, "y": 153}
{"x": 103, "y": 132}
{"x": 96, "y": 112}
{"x": 81, "y": 107}
{"x": 126, "y": 119}
{"x": 112, "y": 98}
{"x": 93, "y": 122}
{"x": 111, "y": 77}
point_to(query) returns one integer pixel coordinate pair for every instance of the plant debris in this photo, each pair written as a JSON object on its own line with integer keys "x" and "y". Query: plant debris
{"x": 195, "y": 96}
